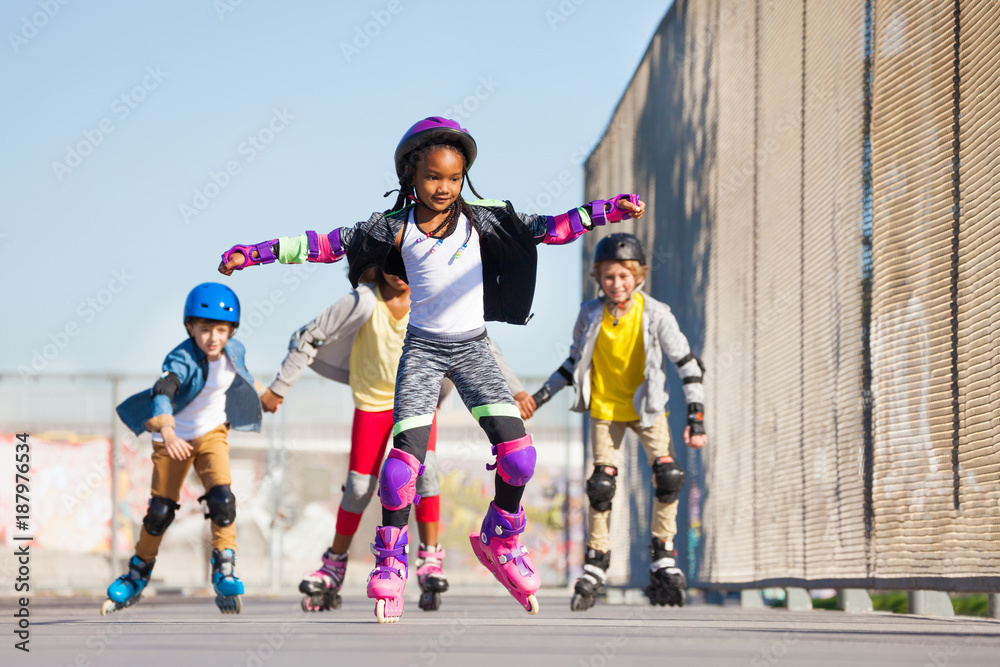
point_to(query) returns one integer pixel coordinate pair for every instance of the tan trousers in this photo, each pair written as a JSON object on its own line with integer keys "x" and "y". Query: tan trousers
{"x": 607, "y": 438}
{"x": 210, "y": 456}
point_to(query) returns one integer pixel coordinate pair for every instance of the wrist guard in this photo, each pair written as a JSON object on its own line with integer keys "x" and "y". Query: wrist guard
{"x": 696, "y": 418}
{"x": 603, "y": 211}
{"x": 565, "y": 227}
{"x": 265, "y": 255}
{"x": 542, "y": 396}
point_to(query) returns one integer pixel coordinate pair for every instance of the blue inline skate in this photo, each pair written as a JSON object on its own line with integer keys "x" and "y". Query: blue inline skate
{"x": 228, "y": 587}
{"x": 127, "y": 589}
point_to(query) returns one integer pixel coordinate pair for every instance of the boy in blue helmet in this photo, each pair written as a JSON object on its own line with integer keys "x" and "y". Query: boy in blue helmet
{"x": 204, "y": 391}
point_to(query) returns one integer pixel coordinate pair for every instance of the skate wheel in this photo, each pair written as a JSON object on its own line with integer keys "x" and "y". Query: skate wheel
{"x": 430, "y": 601}
{"x": 380, "y": 613}
{"x": 231, "y": 604}
{"x": 333, "y": 602}
{"x": 531, "y": 605}
{"x": 239, "y": 604}
{"x": 108, "y": 607}
{"x": 581, "y": 602}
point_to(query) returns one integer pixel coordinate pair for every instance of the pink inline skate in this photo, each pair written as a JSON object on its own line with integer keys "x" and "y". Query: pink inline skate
{"x": 497, "y": 549}
{"x": 388, "y": 579}
{"x": 430, "y": 577}
{"x": 322, "y": 587}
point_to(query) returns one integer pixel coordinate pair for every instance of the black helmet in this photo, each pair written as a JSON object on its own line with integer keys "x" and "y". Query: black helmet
{"x": 619, "y": 247}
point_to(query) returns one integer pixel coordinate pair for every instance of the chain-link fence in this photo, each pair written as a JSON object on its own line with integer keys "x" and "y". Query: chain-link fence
{"x": 821, "y": 180}
{"x": 90, "y": 482}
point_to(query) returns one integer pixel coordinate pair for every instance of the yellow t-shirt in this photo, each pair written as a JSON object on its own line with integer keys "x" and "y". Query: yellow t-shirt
{"x": 617, "y": 370}
{"x": 375, "y": 358}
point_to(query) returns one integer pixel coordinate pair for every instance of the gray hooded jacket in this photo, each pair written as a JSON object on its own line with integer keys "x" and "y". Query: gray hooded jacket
{"x": 661, "y": 336}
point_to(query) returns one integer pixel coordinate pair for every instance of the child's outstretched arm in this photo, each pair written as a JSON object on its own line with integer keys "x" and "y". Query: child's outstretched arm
{"x": 303, "y": 346}
{"x": 569, "y": 226}
{"x": 675, "y": 346}
{"x": 308, "y": 247}
{"x": 564, "y": 374}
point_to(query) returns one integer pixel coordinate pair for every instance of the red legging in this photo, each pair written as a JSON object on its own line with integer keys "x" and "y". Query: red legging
{"x": 369, "y": 437}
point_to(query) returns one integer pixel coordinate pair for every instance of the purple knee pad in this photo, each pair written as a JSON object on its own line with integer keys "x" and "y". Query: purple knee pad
{"x": 603, "y": 211}
{"x": 515, "y": 461}
{"x": 264, "y": 254}
{"x": 397, "y": 484}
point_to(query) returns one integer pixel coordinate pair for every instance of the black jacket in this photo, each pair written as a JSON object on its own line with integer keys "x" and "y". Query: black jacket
{"x": 507, "y": 243}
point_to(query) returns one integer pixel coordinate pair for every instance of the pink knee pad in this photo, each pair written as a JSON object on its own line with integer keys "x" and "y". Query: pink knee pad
{"x": 397, "y": 484}
{"x": 515, "y": 461}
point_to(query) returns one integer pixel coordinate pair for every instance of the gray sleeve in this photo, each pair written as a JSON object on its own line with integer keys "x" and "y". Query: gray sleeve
{"x": 508, "y": 374}
{"x": 564, "y": 374}
{"x": 304, "y": 343}
{"x": 675, "y": 345}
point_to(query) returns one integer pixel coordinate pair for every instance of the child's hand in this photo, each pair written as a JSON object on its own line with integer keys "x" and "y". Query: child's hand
{"x": 177, "y": 449}
{"x": 636, "y": 211}
{"x": 236, "y": 260}
{"x": 526, "y": 404}
{"x": 694, "y": 441}
{"x": 270, "y": 401}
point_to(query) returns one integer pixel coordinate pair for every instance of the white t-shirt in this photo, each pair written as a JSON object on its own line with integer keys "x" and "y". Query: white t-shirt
{"x": 208, "y": 409}
{"x": 446, "y": 292}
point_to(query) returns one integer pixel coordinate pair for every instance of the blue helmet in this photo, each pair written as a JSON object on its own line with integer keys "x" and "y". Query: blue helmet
{"x": 213, "y": 301}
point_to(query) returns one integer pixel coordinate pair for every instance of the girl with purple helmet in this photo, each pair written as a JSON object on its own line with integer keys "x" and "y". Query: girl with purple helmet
{"x": 466, "y": 263}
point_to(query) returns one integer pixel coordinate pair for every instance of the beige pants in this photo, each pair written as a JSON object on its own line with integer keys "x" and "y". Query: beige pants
{"x": 607, "y": 438}
{"x": 210, "y": 456}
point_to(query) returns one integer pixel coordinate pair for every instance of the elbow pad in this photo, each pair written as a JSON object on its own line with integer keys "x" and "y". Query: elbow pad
{"x": 167, "y": 386}
{"x": 325, "y": 248}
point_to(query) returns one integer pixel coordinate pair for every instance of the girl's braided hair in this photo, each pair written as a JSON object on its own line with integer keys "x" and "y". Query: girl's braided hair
{"x": 406, "y": 191}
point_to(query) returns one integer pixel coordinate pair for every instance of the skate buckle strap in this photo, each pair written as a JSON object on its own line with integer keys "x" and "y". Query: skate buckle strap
{"x": 384, "y": 571}
{"x": 385, "y": 552}
{"x": 423, "y": 553}
{"x": 517, "y": 555}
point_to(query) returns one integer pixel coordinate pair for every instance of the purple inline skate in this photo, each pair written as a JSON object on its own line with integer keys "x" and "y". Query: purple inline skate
{"x": 388, "y": 580}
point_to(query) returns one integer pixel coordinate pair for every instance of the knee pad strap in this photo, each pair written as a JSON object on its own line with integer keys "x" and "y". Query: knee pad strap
{"x": 668, "y": 478}
{"x": 220, "y": 505}
{"x": 397, "y": 484}
{"x": 601, "y": 487}
{"x": 515, "y": 461}
{"x": 159, "y": 515}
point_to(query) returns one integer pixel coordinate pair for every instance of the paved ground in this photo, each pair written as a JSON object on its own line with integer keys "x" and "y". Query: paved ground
{"x": 481, "y": 631}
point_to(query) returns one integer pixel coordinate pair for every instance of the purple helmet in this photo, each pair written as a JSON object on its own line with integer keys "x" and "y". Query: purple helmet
{"x": 430, "y": 130}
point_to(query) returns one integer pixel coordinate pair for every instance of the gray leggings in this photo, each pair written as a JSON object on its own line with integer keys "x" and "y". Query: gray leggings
{"x": 471, "y": 367}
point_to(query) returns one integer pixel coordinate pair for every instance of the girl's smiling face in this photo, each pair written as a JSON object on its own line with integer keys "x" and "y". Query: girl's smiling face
{"x": 438, "y": 179}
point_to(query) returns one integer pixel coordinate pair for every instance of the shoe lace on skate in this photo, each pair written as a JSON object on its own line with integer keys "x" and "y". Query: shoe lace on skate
{"x": 333, "y": 569}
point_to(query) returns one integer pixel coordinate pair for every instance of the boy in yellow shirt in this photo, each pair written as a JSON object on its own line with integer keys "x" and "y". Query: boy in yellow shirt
{"x": 616, "y": 365}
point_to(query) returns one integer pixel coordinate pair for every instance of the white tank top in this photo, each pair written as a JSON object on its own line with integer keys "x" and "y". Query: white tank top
{"x": 446, "y": 289}
{"x": 208, "y": 409}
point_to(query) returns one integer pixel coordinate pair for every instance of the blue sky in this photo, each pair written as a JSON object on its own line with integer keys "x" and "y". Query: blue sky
{"x": 143, "y": 139}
